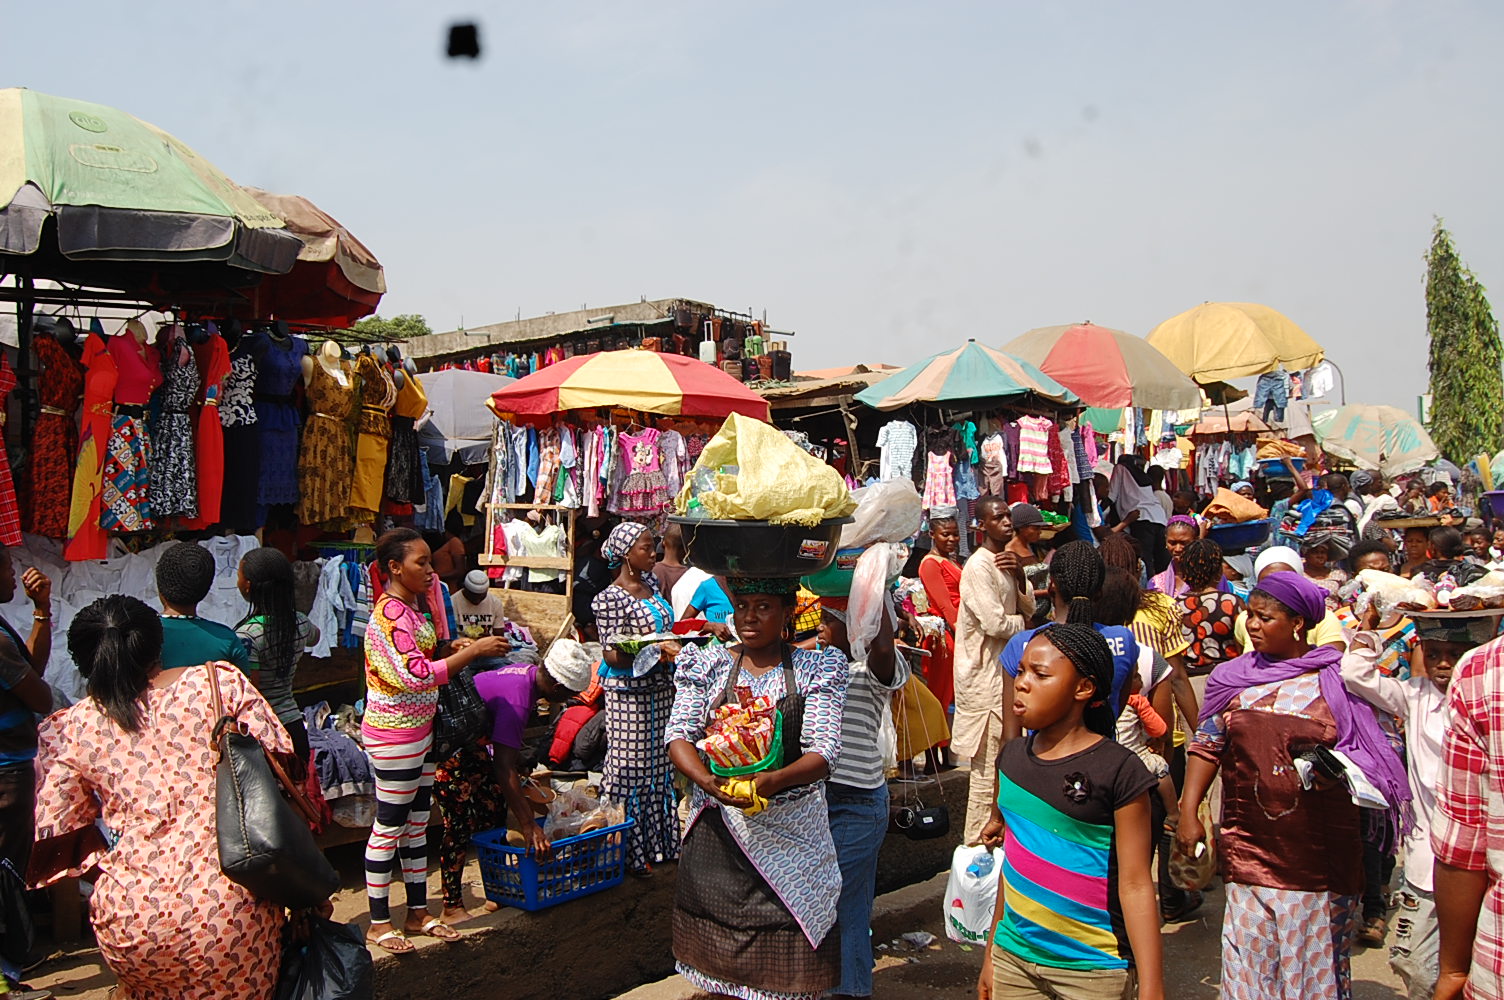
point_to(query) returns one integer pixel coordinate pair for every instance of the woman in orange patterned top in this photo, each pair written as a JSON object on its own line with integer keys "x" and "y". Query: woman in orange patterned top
{"x": 402, "y": 692}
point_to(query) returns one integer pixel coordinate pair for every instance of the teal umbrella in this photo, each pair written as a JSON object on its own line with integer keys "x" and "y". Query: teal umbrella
{"x": 1381, "y": 438}
{"x": 971, "y": 374}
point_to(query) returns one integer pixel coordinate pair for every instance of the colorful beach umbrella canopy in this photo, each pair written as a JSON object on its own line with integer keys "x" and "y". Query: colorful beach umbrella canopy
{"x": 116, "y": 188}
{"x": 1382, "y": 438}
{"x": 1223, "y": 340}
{"x": 670, "y": 384}
{"x": 1107, "y": 368}
{"x": 970, "y": 373}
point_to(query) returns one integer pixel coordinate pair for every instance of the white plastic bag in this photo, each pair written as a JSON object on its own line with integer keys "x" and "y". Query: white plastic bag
{"x": 970, "y": 899}
{"x": 888, "y": 511}
{"x": 875, "y": 568}
{"x": 887, "y": 737}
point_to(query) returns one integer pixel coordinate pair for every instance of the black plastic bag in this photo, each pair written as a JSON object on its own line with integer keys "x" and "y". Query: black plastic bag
{"x": 461, "y": 719}
{"x": 330, "y": 963}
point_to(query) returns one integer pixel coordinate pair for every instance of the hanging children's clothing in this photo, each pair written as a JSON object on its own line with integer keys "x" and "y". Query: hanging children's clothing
{"x": 939, "y": 482}
{"x": 1034, "y": 445}
{"x": 897, "y": 440}
{"x": 994, "y": 467}
{"x": 644, "y": 492}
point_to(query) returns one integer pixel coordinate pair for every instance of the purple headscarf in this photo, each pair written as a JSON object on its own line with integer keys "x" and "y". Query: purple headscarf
{"x": 1296, "y": 593}
{"x": 1358, "y": 734}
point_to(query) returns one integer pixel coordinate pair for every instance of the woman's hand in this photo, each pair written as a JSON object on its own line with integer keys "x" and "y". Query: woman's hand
{"x": 720, "y": 630}
{"x": 984, "y": 978}
{"x": 717, "y": 790}
{"x": 1190, "y": 832}
{"x": 538, "y": 844}
{"x": 992, "y": 831}
{"x": 491, "y": 645}
{"x": 770, "y": 783}
{"x": 1450, "y": 986}
{"x": 38, "y": 589}
{"x": 455, "y": 645}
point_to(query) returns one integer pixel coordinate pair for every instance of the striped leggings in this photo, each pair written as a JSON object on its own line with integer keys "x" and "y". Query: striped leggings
{"x": 404, "y": 783}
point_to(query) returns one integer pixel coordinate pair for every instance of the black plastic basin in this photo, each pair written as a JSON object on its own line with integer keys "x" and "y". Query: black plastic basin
{"x": 757, "y": 548}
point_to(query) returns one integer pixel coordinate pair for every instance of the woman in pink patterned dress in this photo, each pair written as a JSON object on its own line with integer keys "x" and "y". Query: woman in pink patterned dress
{"x": 136, "y": 753}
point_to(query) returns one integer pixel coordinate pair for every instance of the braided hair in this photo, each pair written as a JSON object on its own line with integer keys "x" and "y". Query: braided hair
{"x": 1077, "y": 573}
{"x": 1201, "y": 563}
{"x": 1089, "y": 653}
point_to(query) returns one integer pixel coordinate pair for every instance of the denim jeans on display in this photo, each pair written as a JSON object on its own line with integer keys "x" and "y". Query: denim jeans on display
{"x": 858, "y": 824}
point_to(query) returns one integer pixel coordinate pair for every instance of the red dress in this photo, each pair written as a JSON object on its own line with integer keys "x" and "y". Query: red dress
{"x": 942, "y": 584}
{"x": 213, "y": 359}
{"x": 49, "y": 481}
{"x": 86, "y": 539}
{"x": 10, "y": 510}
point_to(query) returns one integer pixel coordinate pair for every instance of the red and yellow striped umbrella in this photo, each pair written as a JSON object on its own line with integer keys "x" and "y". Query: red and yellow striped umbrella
{"x": 670, "y": 384}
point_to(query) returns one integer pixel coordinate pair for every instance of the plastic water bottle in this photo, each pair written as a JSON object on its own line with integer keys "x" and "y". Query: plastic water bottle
{"x": 982, "y": 866}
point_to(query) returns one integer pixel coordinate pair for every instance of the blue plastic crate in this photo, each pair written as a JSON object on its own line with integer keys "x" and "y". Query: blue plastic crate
{"x": 580, "y": 866}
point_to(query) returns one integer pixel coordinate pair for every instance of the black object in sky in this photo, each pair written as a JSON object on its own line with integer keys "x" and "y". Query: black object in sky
{"x": 464, "y": 41}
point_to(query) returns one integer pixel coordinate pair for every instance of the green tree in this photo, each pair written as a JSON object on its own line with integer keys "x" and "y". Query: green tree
{"x": 1467, "y": 380}
{"x": 403, "y": 327}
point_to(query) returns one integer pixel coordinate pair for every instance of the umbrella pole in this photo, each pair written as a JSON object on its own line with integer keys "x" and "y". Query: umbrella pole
{"x": 26, "y": 307}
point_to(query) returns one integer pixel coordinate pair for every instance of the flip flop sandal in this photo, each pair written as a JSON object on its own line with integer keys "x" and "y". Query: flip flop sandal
{"x": 381, "y": 942}
{"x": 433, "y": 923}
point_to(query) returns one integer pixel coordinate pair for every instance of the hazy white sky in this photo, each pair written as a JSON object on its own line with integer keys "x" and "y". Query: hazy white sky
{"x": 885, "y": 178}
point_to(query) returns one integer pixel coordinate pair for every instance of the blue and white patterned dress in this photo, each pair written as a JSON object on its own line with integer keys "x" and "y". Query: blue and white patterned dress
{"x": 789, "y": 843}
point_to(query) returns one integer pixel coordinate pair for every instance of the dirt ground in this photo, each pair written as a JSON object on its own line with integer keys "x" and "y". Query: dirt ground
{"x": 943, "y": 971}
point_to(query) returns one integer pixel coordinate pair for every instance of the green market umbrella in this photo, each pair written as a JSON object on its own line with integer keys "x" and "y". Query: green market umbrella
{"x": 969, "y": 374}
{"x": 86, "y": 182}
{"x": 1382, "y": 438}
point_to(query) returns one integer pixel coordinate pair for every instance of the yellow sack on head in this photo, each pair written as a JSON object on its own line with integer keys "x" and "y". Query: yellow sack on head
{"x": 776, "y": 480}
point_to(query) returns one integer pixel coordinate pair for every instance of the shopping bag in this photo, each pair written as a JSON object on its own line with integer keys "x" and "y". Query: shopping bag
{"x": 332, "y": 964}
{"x": 971, "y": 894}
{"x": 1188, "y": 871}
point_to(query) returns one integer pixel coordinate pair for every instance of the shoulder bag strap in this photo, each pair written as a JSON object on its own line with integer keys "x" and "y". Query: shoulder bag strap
{"x": 294, "y": 792}
{"x": 219, "y": 706}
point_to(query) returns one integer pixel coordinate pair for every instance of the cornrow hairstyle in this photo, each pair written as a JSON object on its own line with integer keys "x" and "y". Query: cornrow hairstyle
{"x": 185, "y": 572}
{"x": 1089, "y": 653}
{"x": 270, "y": 576}
{"x": 1201, "y": 563}
{"x": 1077, "y": 573}
{"x": 116, "y": 641}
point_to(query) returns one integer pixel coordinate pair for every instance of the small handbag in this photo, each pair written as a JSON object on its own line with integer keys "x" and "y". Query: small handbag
{"x": 461, "y": 718}
{"x": 262, "y": 819}
{"x": 914, "y": 819}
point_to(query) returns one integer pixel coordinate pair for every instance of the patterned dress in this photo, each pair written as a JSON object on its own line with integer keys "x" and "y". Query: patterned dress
{"x": 237, "y": 416}
{"x": 174, "y": 477}
{"x": 757, "y": 895}
{"x": 1210, "y": 620}
{"x": 10, "y": 511}
{"x": 60, "y": 386}
{"x": 327, "y": 457}
{"x": 637, "y": 772}
{"x": 404, "y": 478}
{"x": 168, "y": 922}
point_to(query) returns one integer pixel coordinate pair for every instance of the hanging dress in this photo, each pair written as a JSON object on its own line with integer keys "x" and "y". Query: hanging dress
{"x": 10, "y": 510}
{"x": 86, "y": 539}
{"x": 126, "y": 504}
{"x": 54, "y": 450}
{"x": 644, "y": 491}
{"x": 327, "y": 458}
{"x": 174, "y": 472}
{"x": 279, "y": 365}
{"x": 242, "y": 441}
{"x": 213, "y": 360}
{"x": 404, "y": 480}
{"x": 377, "y": 394}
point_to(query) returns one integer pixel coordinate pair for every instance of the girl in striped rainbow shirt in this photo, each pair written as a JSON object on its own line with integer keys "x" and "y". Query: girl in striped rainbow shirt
{"x": 1076, "y": 914}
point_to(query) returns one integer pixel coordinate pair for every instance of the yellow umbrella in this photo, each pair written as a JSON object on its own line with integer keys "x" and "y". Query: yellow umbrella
{"x": 1223, "y": 340}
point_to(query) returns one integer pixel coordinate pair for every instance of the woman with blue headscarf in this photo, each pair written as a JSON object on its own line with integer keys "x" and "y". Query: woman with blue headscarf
{"x": 639, "y": 697}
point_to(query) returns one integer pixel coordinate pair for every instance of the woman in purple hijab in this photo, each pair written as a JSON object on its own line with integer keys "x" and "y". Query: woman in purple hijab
{"x": 1290, "y": 855}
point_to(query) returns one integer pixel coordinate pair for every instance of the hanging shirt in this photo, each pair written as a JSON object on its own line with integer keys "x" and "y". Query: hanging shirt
{"x": 1034, "y": 445}
{"x": 898, "y": 440}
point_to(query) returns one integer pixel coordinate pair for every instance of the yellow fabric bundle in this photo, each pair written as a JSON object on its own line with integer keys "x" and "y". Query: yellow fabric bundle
{"x": 1277, "y": 448}
{"x": 776, "y": 480}
{"x": 745, "y": 789}
{"x": 1228, "y": 507}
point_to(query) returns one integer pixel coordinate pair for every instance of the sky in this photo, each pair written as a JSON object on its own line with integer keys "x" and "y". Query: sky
{"x": 885, "y": 179}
